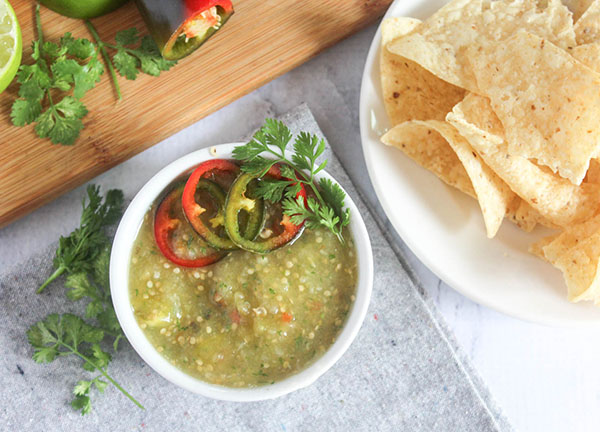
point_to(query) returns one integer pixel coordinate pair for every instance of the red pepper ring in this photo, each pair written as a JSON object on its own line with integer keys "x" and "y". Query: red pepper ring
{"x": 164, "y": 225}
{"x": 193, "y": 210}
{"x": 236, "y": 201}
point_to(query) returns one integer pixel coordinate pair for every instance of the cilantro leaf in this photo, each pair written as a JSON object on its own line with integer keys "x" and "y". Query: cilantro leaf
{"x": 82, "y": 403}
{"x": 65, "y": 130}
{"x": 70, "y": 68}
{"x": 126, "y": 64}
{"x": 80, "y": 48}
{"x": 80, "y": 286}
{"x": 145, "y": 58}
{"x": 272, "y": 190}
{"x": 71, "y": 64}
{"x": 78, "y": 251}
{"x": 127, "y": 37}
{"x": 25, "y": 111}
{"x": 82, "y": 388}
{"x": 67, "y": 334}
{"x": 325, "y": 208}
{"x": 334, "y": 195}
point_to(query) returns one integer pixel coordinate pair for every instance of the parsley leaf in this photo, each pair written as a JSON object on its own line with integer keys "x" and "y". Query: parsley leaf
{"x": 326, "y": 209}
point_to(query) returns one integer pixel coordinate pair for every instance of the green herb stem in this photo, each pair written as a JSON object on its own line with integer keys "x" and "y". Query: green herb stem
{"x": 38, "y": 24}
{"x": 106, "y": 375}
{"x": 54, "y": 275}
{"x": 102, "y": 47}
{"x": 325, "y": 207}
{"x": 307, "y": 181}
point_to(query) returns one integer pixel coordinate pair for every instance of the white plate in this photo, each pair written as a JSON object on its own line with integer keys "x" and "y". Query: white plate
{"x": 444, "y": 228}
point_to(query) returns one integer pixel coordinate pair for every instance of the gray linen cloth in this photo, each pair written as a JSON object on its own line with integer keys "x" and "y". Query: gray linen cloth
{"x": 404, "y": 371}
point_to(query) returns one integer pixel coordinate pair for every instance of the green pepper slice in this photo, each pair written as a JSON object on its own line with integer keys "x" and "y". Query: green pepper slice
{"x": 252, "y": 224}
{"x": 239, "y": 199}
{"x": 194, "y": 210}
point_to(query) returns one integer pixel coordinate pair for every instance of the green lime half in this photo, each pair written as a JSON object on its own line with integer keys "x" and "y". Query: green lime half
{"x": 83, "y": 9}
{"x": 10, "y": 44}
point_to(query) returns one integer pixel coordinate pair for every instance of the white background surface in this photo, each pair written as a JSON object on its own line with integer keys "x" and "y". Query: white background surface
{"x": 545, "y": 379}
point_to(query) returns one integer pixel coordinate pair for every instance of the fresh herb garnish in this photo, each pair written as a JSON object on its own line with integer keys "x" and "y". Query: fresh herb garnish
{"x": 326, "y": 208}
{"x": 69, "y": 65}
{"x": 78, "y": 251}
{"x": 85, "y": 256}
{"x": 52, "y": 88}
{"x": 67, "y": 334}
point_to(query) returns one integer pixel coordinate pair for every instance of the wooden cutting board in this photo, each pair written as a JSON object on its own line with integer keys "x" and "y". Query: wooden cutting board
{"x": 263, "y": 39}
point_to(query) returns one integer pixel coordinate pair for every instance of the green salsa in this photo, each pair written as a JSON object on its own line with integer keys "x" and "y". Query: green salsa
{"x": 249, "y": 319}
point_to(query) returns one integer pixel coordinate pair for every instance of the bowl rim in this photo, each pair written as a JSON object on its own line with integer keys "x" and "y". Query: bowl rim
{"x": 119, "y": 286}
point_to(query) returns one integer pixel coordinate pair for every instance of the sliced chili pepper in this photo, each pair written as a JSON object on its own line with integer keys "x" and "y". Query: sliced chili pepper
{"x": 179, "y": 27}
{"x": 193, "y": 210}
{"x": 166, "y": 221}
{"x": 238, "y": 201}
{"x": 286, "y": 317}
{"x": 235, "y": 316}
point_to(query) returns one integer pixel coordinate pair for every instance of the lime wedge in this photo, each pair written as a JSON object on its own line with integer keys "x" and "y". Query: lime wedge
{"x": 10, "y": 44}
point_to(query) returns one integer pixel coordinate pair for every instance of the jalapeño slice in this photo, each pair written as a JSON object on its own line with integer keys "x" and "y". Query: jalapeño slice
{"x": 239, "y": 199}
{"x": 180, "y": 26}
{"x": 212, "y": 207}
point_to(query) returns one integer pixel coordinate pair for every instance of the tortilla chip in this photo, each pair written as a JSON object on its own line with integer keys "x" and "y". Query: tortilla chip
{"x": 555, "y": 120}
{"x": 578, "y": 7}
{"x": 580, "y": 270}
{"x": 537, "y": 248}
{"x": 587, "y": 28}
{"x": 556, "y": 199}
{"x": 430, "y": 150}
{"x": 493, "y": 195}
{"x": 409, "y": 91}
{"x": 526, "y": 217}
{"x": 593, "y": 174}
{"x": 588, "y": 54}
{"x": 570, "y": 238}
{"x": 576, "y": 252}
{"x": 439, "y": 43}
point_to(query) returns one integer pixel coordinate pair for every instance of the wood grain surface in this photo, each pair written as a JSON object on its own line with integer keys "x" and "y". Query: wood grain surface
{"x": 263, "y": 39}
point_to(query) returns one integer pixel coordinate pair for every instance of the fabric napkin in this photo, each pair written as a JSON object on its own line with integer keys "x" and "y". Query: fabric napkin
{"x": 404, "y": 371}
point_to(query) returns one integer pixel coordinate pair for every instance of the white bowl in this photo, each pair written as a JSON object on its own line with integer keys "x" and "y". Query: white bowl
{"x": 119, "y": 284}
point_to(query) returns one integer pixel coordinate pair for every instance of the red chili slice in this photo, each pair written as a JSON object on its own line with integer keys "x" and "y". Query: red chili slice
{"x": 193, "y": 210}
{"x": 164, "y": 226}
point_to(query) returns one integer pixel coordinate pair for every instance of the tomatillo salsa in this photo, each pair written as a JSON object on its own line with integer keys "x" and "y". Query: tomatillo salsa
{"x": 246, "y": 319}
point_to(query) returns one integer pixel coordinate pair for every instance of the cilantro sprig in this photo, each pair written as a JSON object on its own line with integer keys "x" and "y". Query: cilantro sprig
{"x": 85, "y": 256}
{"x": 69, "y": 65}
{"x": 62, "y": 73}
{"x": 65, "y": 335}
{"x": 130, "y": 60}
{"x": 79, "y": 250}
{"x": 325, "y": 206}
